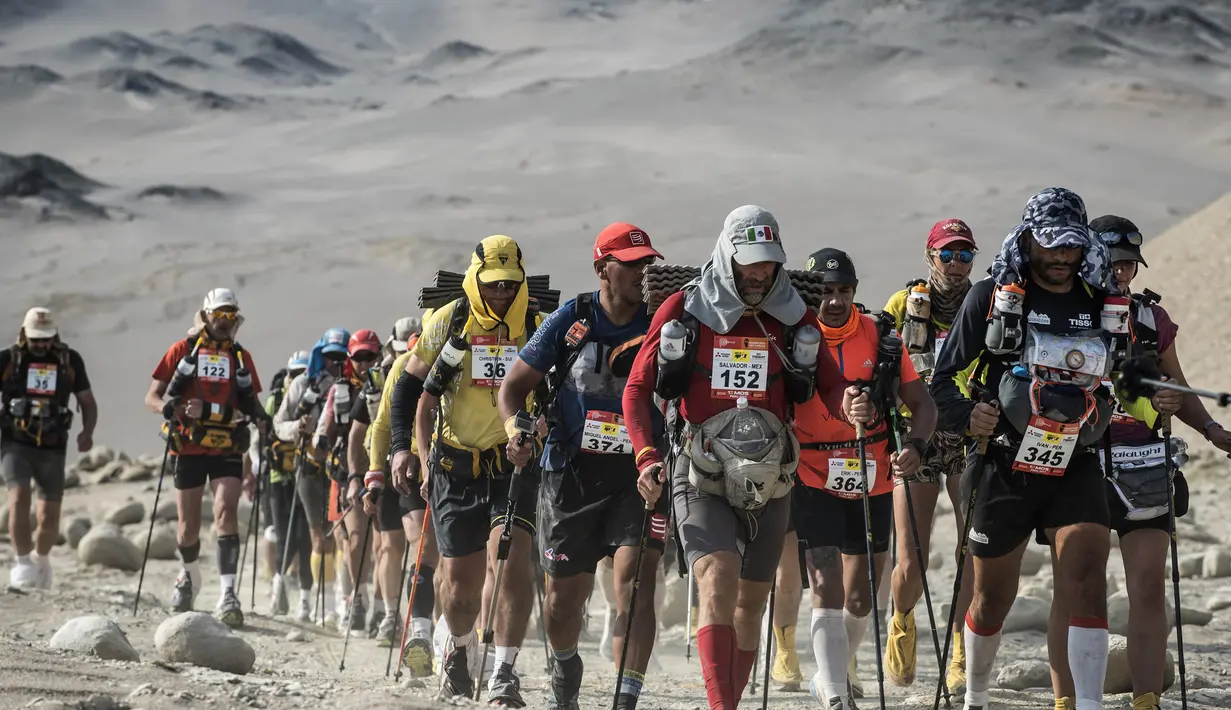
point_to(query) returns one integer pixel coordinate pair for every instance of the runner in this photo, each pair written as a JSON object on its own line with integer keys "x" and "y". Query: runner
{"x": 207, "y": 421}
{"x": 333, "y": 438}
{"x": 39, "y": 375}
{"x": 589, "y": 497}
{"x": 741, "y": 314}
{"x": 1041, "y": 469}
{"x": 280, "y": 492}
{"x": 401, "y": 522}
{"x": 829, "y": 502}
{"x": 1137, "y": 455}
{"x": 468, "y": 477}
{"x": 295, "y": 423}
{"x": 923, "y": 313}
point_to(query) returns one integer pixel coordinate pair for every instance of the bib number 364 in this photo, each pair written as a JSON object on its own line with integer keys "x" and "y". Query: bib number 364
{"x": 1046, "y": 447}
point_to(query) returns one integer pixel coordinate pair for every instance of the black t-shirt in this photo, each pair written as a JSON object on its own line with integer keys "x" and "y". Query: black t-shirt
{"x": 81, "y": 381}
{"x": 1044, "y": 311}
{"x": 359, "y": 410}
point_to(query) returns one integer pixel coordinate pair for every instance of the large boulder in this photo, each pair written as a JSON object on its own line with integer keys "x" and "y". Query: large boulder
{"x": 129, "y": 513}
{"x": 1028, "y": 614}
{"x": 96, "y": 458}
{"x": 135, "y": 473}
{"x": 675, "y": 602}
{"x": 106, "y": 545}
{"x": 1117, "y": 613}
{"x": 1024, "y": 674}
{"x": 77, "y": 529}
{"x": 97, "y": 636}
{"x": 1119, "y": 677}
{"x": 4, "y": 519}
{"x": 167, "y": 511}
{"x": 109, "y": 472}
{"x": 1216, "y": 563}
{"x": 202, "y": 640}
{"x": 164, "y": 544}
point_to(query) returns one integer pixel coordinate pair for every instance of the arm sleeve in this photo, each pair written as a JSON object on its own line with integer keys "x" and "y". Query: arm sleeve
{"x": 325, "y": 421}
{"x": 81, "y": 380}
{"x": 963, "y": 346}
{"x": 379, "y": 432}
{"x": 285, "y": 426}
{"x": 639, "y": 390}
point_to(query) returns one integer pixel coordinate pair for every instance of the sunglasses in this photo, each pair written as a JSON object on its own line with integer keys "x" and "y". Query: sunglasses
{"x": 39, "y": 341}
{"x": 1114, "y": 238}
{"x": 364, "y": 356}
{"x": 638, "y": 264}
{"x": 335, "y": 358}
{"x": 227, "y": 314}
{"x": 946, "y": 256}
{"x": 502, "y": 285}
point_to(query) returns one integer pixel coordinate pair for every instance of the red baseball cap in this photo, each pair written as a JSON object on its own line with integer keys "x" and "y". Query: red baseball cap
{"x": 624, "y": 242}
{"x": 947, "y": 231}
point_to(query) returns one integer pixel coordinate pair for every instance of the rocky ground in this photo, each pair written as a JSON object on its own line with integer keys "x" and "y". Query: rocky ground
{"x": 113, "y": 659}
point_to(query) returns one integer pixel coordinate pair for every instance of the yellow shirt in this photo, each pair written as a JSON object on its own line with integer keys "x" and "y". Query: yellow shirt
{"x": 469, "y": 416}
{"x": 897, "y": 308}
{"x": 380, "y": 434}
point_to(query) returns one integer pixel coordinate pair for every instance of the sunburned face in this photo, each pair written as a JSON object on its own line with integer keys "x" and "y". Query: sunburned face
{"x": 836, "y": 303}
{"x": 754, "y": 281}
{"x": 625, "y": 278}
{"x": 39, "y": 346}
{"x": 1124, "y": 271}
{"x": 499, "y": 295}
{"x": 1054, "y": 267}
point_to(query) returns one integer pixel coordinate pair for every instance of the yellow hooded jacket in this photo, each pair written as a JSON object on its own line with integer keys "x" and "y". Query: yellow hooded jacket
{"x": 469, "y": 417}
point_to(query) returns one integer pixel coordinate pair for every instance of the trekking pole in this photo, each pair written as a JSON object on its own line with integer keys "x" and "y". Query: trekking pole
{"x": 1175, "y": 558}
{"x": 256, "y": 506}
{"x": 401, "y": 586}
{"x": 769, "y": 642}
{"x": 414, "y": 586}
{"x": 980, "y": 459}
{"x": 646, "y": 519}
{"x": 355, "y": 576}
{"x": 688, "y": 620}
{"x": 243, "y": 557}
{"x": 923, "y": 575}
{"x": 149, "y": 535}
{"x": 860, "y": 434}
{"x": 540, "y": 584}
{"x": 756, "y": 664}
{"x": 524, "y": 424}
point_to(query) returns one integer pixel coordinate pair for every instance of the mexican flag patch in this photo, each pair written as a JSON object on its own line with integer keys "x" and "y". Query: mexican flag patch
{"x": 759, "y": 234}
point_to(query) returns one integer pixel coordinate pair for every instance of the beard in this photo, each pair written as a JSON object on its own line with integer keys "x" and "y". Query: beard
{"x": 1045, "y": 274}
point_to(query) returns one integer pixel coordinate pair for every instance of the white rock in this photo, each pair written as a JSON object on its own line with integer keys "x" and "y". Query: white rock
{"x": 675, "y": 602}
{"x": 135, "y": 473}
{"x": 163, "y": 542}
{"x": 202, "y": 640}
{"x": 1113, "y": 585}
{"x": 129, "y": 513}
{"x": 1191, "y": 564}
{"x": 1190, "y": 616}
{"x": 95, "y": 635}
{"x": 1033, "y": 561}
{"x": 936, "y": 560}
{"x": 168, "y": 511}
{"x": 106, "y": 545}
{"x": 1024, "y": 674}
{"x": 77, "y": 529}
{"x": 1117, "y": 613}
{"x": 1027, "y": 614}
{"x": 71, "y": 480}
{"x": 1037, "y": 590}
{"x": 109, "y": 472}
{"x": 96, "y": 458}
{"x": 1119, "y": 678}
{"x": 1216, "y": 564}
{"x": 1219, "y": 602}
{"x": 297, "y": 636}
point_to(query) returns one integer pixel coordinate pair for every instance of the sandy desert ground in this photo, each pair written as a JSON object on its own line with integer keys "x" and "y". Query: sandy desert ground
{"x": 325, "y": 157}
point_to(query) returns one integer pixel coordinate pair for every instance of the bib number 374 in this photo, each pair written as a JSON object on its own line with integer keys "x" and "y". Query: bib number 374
{"x": 490, "y": 360}
{"x": 605, "y": 433}
{"x": 740, "y": 368}
{"x": 1046, "y": 447}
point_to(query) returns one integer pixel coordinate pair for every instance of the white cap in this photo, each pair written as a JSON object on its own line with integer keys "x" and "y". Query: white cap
{"x": 39, "y": 324}
{"x": 403, "y": 329}
{"x": 220, "y": 298}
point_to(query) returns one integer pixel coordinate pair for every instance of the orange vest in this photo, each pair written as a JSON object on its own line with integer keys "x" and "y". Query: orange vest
{"x": 835, "y": 469}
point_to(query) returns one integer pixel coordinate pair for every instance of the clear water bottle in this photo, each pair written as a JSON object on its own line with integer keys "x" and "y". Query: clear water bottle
{"x": 807, "y": 345}
{"x": 341, "y": 402}
{"x": 672, "y": 343}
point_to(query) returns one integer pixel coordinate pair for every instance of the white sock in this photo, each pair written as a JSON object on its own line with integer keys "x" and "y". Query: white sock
{"x": 1088, "y": 663}
{"x": 226, "y": 581}
{"x": 980, "y": 657}
{"x": 856, "y": 629}
{"x": 829, "y": 646}
{"x": 305, "y": 597}
{"x": 463, "y": 640}
{"x": 420, "y": 628}
{"x": 194, "y": 570}
{"x": 378, "y": 605}
{"x": 23, "y": 560}
{"x": 329, "y": 599}
{"x": 41, "y": 561}
{"x": 506, "y": 654}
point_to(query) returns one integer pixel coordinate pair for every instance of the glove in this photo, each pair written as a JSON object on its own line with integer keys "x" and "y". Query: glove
{"x": 168, "y": 408}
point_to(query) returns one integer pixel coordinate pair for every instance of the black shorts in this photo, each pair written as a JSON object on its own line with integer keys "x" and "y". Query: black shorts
{"x": 393, "y": 505}
{"x": 1011, "y": 504}
{"x": 829, "y": 521}
{"x": 195, "y": 470}
{"x": 592, "y": 508}
{"x": 466, "y": 507}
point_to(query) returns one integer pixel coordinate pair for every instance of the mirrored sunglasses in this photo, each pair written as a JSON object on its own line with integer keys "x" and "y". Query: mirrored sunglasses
{"x": 502, "y": 285}
{"x": 225, "y": 314}
{"x": 1113, "y": 238}
{"x": 364, "y": 356}
{"x": 946, "y": 256}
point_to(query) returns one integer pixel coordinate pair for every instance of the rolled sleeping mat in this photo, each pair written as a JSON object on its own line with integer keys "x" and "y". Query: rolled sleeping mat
{"x": 448, "y": 288}
{"x": 662, "y": 280}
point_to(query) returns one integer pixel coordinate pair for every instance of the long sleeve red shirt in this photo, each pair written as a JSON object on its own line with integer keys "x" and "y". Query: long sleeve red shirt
{"x": 699, "y": 403}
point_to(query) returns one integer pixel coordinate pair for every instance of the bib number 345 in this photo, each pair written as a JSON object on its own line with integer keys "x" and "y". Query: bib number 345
{"x": 1046, "y": 447}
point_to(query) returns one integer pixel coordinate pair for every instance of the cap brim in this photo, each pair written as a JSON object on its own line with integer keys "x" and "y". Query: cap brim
{"x": 40, "y": 334}
{"x": 487, "y": 276}
{"x": 758, "y": 253}
{"x": 1122, "y": 254}
{"x": 398, "y": 345}
{"x": 634, "y": 254}
{"x": 837, "y": 277}
{"x": 1061, "y": 236}
{"x": 333, "y": 348}
{"x": 950, "y": 239}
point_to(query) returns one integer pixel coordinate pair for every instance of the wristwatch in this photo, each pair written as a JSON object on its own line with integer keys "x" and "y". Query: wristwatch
{"x": 1205, "y": 430}
{"x": 919, "y": 444}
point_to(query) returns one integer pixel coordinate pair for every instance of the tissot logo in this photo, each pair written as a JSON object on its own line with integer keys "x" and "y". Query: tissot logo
{"x": 1082, "y": 320}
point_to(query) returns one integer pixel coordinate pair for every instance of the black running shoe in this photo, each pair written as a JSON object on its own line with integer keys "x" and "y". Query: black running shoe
{"x": 504, "y": 690}
{"x": 455, "y": 680}
{"x": 565, "y": 684}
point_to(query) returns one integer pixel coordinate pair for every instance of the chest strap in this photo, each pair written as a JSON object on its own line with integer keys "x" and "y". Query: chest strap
{"x": 876, "y": 438}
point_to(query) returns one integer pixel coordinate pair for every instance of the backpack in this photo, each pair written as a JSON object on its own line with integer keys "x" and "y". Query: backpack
{"x": 51, "y": 430}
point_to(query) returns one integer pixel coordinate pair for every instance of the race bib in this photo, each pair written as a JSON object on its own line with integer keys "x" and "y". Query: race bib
{"x": 605, "y": 433}
{"x": 844, "y": 477}
{"x": 1047, "y": 447}
{"x": 490, "y": 360}
{"x": 940, "y": 341}
{"x": 41, "y": 379}
{"x": 740, "y": 368}
{"x": 213, "y": 366}
{"x": 1118, "y": 415}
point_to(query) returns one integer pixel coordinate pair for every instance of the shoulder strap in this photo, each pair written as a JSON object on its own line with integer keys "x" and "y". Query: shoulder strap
{"x": 14, "y": 363}
{"x": 459, "y": 316}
